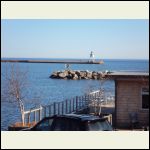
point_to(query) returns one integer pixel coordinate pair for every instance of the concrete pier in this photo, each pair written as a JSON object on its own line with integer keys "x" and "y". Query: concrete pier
{"x": 55, "y": 61}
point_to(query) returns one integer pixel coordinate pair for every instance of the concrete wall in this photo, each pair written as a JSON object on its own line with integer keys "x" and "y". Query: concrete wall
{"x": 128, "y": 100}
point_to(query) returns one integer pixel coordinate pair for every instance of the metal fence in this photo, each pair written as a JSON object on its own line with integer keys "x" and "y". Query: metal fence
{"x": 64, "y": 107}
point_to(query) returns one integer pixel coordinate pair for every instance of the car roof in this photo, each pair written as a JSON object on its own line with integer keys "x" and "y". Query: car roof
{"x": 81, "y": 117}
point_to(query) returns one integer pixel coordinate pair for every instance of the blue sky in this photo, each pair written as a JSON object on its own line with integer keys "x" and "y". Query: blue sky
{"x": 112, "y": 39}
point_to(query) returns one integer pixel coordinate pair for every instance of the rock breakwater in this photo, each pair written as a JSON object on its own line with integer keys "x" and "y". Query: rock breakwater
{"x": 78, "y": 75}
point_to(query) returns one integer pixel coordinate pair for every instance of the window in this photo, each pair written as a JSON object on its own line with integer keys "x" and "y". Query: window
{"x": 145, "y": 98}
{"x": 45, "y": 125}
{"x": 60, "y": 124}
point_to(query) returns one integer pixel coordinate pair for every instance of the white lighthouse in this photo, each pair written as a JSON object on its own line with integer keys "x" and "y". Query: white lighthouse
{"x": 91, "y": 57}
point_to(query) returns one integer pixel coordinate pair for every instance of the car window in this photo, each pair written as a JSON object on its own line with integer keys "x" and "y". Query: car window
{"x": 99, "y": 126}
{"x": 60, "y": 124}
{"x": 66, "y": 124}
{"x": 45, "y": 125}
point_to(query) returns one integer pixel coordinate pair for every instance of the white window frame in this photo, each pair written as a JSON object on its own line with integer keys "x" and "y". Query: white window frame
{"x": 144, "y": 93}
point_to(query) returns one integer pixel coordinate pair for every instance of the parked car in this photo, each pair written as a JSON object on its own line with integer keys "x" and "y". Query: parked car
{"x": 72, "y": 122}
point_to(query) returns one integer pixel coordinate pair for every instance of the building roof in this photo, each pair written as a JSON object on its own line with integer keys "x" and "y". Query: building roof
{"x": 129, "y": 73}
{"x": 126, "y": 74}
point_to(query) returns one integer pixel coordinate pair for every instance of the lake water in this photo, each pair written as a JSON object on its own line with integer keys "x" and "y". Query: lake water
{"x": 43, "y": 90}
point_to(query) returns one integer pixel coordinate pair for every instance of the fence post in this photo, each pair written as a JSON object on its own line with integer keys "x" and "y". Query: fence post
{"x": 40, "y": 113}
{"x": 79, "y": 102}
{"x": 58, "y": 108}
{"x": 66, "y": 106}
{"x": 34, "y": 116}
{"x": 54, "y": 108}
{"x": 73, "y": 104}
{"x": 70, "y": 106}
{"x": 88, "y": 100}
{"x": 49, "y": 110}
{"x": 85, "y": 100}
{"x": 62, "y": 107}
{"x": 45, "y": 111}
{"x": 76, "y": 103}
{"x": 82, "y": 101}
{"x": 28, "y": 117}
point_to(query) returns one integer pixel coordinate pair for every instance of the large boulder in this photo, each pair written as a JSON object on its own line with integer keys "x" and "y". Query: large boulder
{"x": 75, "y": 77}
{"x": 77, "y": 73}
{"x": 66, "y": 72}
{"x": 69, "y": 76}
{"x": 83, "y": 74}
{"x": 99, "y": 75}
{"x": 71, "y": 72}
{"x": 62, "y": 75}
{"x": 54, "y": 75}
{"x": 94, "y": 75}
{"x": 89, "y": 75}
{"x": 103, "y": 75}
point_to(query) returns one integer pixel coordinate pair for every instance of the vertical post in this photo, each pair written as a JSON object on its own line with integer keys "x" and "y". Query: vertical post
{"x": 29, "y": 117}
{"x": 66, "y": 106}
{"x": 79, "y": 102}
{"x": 49, "y": 110}
{"x": 95, "y": 97}
{"x": 34, "y": 116}
{"x": 76, "y": 103}
{"x": 58, "y": 108}
{"x": 111, "y": 119}
{"x": 70, "y": 105}
{"x": 62, "y": 107}
{"x": 85, "y": 100}
{"x": 23, "y": 123}
{"x": 82, "y": 101}
{"x": 88, "y": 99}
{"x": 73, "y": 104}
{"x": 45, "y": 111}
{"x": 40, "y": 113}
{"x": 54, "y": 108}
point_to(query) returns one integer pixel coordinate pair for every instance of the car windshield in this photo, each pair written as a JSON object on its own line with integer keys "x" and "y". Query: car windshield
{"x": 99, "y": 126}
{"x": 45, "y": 125}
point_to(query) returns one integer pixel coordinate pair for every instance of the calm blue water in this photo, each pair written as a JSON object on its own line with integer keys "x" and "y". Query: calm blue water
{"x": 43, "y": 90}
